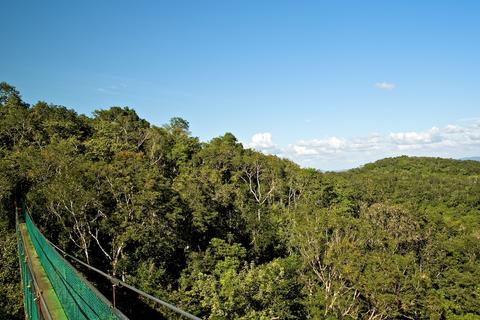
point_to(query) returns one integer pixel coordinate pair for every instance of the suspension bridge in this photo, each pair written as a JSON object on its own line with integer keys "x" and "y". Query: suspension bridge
{"x": 54, "y": 290}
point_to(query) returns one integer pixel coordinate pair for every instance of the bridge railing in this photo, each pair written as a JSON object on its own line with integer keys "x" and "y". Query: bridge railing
{"x": 79, "y": 299}
{"x": 34, "y": 302}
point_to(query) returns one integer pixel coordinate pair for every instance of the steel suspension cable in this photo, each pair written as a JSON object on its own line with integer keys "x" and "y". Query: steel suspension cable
{"x": 116, "y": 281}
{"x": 123, "y": 284}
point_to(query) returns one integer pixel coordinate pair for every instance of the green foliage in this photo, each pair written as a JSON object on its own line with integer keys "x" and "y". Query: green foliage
{"x": 219, "y": 284}
{"x": 229, "y": 233}
{"x": 10, "y": 293}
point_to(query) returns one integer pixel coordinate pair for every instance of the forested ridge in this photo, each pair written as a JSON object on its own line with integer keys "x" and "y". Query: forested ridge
{"x": 226, "y": 232}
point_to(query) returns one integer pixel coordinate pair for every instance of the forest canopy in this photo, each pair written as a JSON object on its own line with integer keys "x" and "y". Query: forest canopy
{"x": 226, "y": 232}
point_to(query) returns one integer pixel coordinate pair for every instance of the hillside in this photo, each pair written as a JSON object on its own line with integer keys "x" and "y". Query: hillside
{"x": 226, "y": 232}
{"x": 471, "y": 158}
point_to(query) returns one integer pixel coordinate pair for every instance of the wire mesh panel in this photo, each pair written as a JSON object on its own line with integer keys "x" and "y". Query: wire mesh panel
{"x": 31, "y": 311}
{"x": 79, "y": 300}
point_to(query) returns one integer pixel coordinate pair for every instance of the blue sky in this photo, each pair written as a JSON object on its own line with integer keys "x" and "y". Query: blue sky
{"x": 329, "y": 84}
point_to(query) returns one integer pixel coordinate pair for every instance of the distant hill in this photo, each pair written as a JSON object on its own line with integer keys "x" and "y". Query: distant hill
{"x": 418, "y": 182}
{"x": 420, "y": 165}
{"x": 471, "y": 158}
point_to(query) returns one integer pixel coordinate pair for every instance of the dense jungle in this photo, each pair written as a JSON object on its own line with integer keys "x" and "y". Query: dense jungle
{"x": 226, "y": 232}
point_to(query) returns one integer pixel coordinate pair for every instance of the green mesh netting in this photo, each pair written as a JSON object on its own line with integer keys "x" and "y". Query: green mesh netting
{"x": 79, "y": 300}
{"x": 31, "y": 311}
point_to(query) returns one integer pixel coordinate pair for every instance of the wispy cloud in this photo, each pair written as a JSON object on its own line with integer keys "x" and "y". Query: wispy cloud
{"x": 112, "y": 89}
{"x": 453, "y": 140}
{"x": 385, "y": 85}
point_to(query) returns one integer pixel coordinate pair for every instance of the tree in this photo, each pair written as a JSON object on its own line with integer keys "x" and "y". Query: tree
{"x": 179, "y": 125}
{"x": 10, "y": 95}
{"x": 217, "y": 284}
{"x": 230, "y": 233}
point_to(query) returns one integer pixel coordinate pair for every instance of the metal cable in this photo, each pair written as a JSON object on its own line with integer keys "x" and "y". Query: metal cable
{"x": 40, "y": 293}
{"x": 120, "y": 282}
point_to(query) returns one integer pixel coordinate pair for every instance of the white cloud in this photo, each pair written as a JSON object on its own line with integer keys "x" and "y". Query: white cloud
{"x": 335, "y": 143}
{"x": 112, "y": 89}
{"x": 475, "y": 136}
{"x": 261, "y": 141}
{"x": 451, "y": 128}
{"x": 304, "y": 151}
{"x": 333, "y": 153}
{"x": 318, "y": 146}
{"x": 410, "y": 138}
{"x": 385, "y": 85}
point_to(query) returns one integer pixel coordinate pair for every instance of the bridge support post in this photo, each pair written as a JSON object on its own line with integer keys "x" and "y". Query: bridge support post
{"x": 114, "y": 302}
